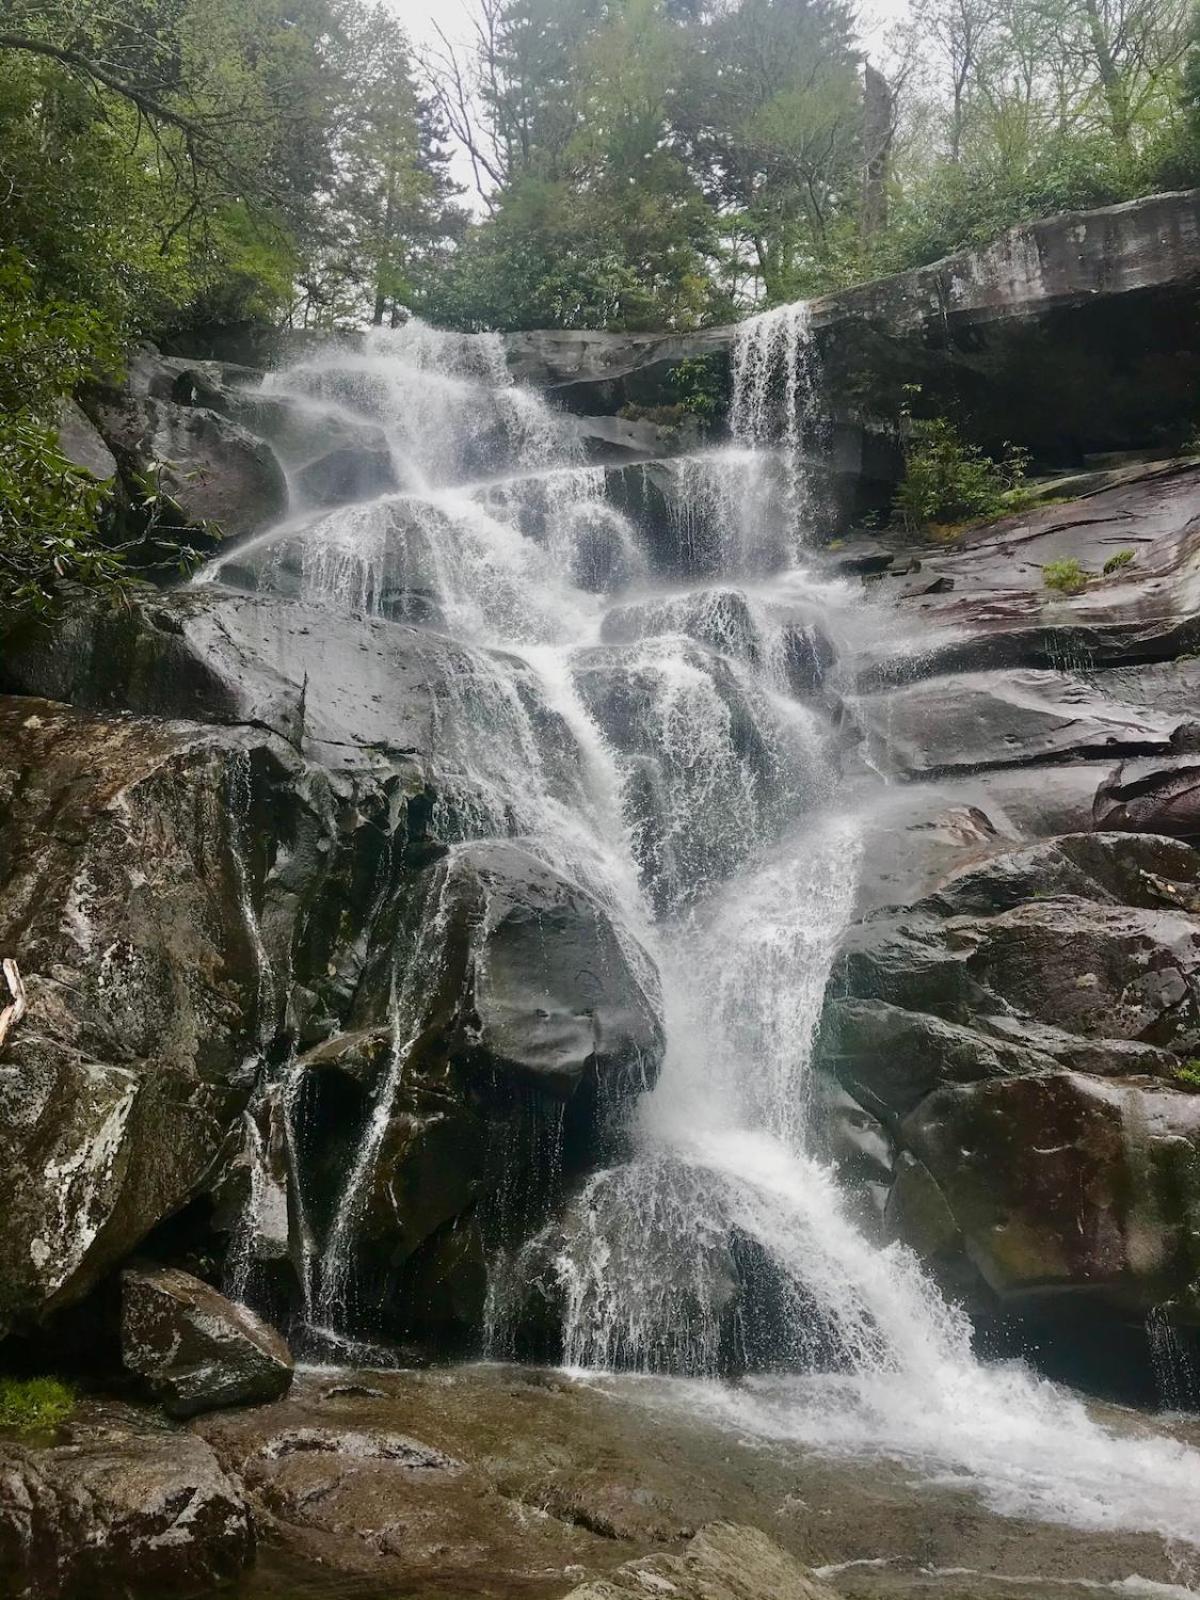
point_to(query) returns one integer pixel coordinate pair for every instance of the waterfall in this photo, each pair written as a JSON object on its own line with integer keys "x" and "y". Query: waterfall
{"x": 629, "y": 710}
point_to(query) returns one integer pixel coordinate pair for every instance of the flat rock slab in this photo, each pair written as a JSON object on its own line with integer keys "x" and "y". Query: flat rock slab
{"x": 983, "y": 602}
{"x": 506, "y": 1483}
{"x": 978, "y": 720}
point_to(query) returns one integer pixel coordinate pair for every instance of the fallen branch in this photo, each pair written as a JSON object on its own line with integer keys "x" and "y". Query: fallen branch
{"x": 13, "y": 1012}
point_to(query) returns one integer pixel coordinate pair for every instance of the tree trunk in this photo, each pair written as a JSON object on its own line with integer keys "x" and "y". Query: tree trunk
{"x": 1115, "y": 97}
{"x": 878, "y": 131}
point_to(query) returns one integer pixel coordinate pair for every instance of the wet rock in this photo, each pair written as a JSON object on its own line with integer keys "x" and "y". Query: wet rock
{"x": 1151, "y": 796}
{"x": 537, "y": 986}
{"x": 697, "y": 802}
{"x": 1020, "y": 1033}
{"x": 194, "y": 1349}
{"x": 401, "y": 701}
{"x": 616, "y": 439}
{"x": 999, "y": 613}
{"x": 215, "y": 471}
{"x": 977, "y": 720}
{"x": 123, "y": 895}
{"x": 332, "y": 457}
{"x": 119, "y": 1510}
{"x": 1070, "y": 1182}
{"x": 722, "y": 1562}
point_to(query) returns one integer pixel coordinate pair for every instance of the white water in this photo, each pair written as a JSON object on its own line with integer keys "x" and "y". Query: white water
{"x": 638, "y": 734}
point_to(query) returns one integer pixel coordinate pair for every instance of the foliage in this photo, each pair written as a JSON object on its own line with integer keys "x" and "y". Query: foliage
{"x": 698, "y": 387}
{"x": 1122, "y": 558}
{"x": 1189, "y": 1073}
{"x": 947, "y": 480}
{"x": 35, "y": 1405}
{"x": 50, "y": 513}
{"x": 1066, "y": 576}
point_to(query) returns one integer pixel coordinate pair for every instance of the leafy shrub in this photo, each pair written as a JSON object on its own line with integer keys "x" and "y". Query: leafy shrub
{"x": 50, "y": 512}
{"x": 34, "y": 1405}
{"x": 697, "y": 386}
{"x": 1068, "y": 577}
{"x": 1189, "y": 1073}
{"x": 1115, "y": 562}
{"x": 948, "y": 480}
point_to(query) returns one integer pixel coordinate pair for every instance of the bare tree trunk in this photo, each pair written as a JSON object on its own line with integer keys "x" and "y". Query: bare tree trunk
{"x": 879, "y": 123}
{"x": 1115, "y": 97}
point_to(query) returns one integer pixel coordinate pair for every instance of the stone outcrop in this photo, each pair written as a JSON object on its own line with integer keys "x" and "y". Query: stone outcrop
{"x": 123, "y": 895}
{"x": 1013, "y": 1025}
{"x": 220, "y": 476}
{"x": 193, "y": 897}
{"x": 1069, "y": 335}
{"x": 119, "y": 1507}
{"x": 194, "y": 1349}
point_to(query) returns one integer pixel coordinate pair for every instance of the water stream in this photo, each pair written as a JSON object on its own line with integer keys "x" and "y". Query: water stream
{"x": 699, "y": 801}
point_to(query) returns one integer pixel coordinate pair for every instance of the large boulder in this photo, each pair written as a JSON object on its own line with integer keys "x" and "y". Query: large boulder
{"x": 523, "y": 1018}
{"x": 119, "y": 1509}
{"x": 194, "y": 1349}
{"x": 1024, "y": 1037}
{"x": 125, "y": 899}
{"x": 538, "y": 986}
{"x": 219, "y": 475}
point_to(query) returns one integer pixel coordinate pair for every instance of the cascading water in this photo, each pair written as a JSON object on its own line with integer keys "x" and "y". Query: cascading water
{"x": 626, "y": 705}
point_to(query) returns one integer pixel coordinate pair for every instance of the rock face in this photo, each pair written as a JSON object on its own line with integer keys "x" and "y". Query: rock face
{"x": 190, "y": 899}
{"x": 119, "y": 1509}
{"x": 122, "y": 895}
{"x": 1014, "y": 1021}
{"x": 195, "y": 1349}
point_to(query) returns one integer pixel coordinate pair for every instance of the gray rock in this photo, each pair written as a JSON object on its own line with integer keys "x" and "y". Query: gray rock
{"x": 1070, "y": 1183}
{"x": 122, "y": 897}
{"x": 195, "y": 1349}
{"x": 80, "y": 442}
{"x": 976, "y": 720}
{"x": 998, "y": 612}
{"x": 537, "y": 986}
{"x": 1020, "y": 1032}
{"x": 1151, "y": 796}
{"x": 722, "y": 1562}
{"x": 215, "y": 471}
{"x": 119, "y": 1510}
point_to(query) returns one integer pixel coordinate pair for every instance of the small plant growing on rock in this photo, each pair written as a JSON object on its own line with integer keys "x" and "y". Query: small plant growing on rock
{"x": 948, "y": 480}
{"x": 1068, "y": 577}
{"x": 1115, "y": 562}
{"x": 34, "y": 1405}
{"x": 1189, "y": 1073}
